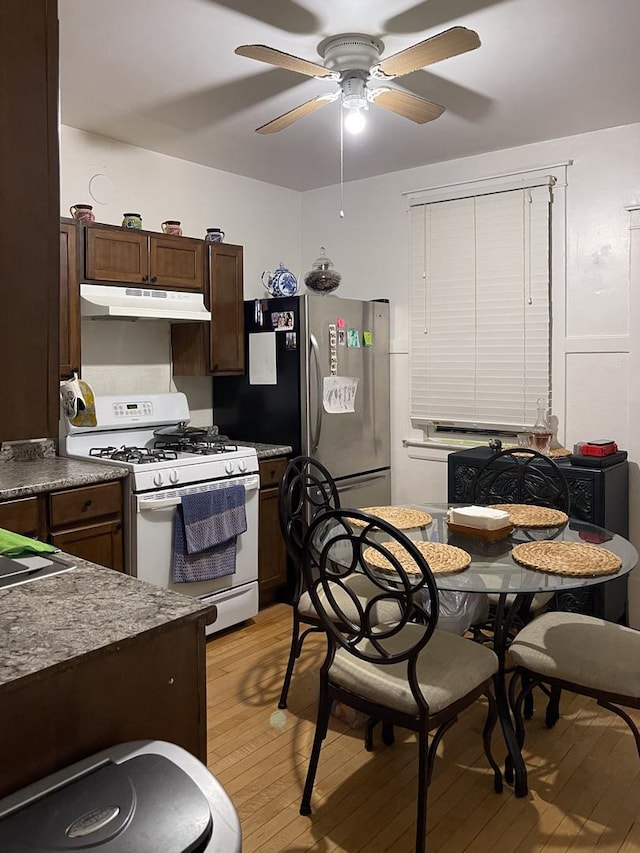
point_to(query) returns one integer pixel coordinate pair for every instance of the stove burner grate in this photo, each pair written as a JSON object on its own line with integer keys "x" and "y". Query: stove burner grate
{"x": 204, "y": 446}
{"x": 135, "y": 455}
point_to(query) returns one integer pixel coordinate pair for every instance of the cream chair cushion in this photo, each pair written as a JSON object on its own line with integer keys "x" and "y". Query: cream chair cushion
{"x": 583, "y": 650}
{"x": 448, "y": 668}
{"x": 363, "y": 589}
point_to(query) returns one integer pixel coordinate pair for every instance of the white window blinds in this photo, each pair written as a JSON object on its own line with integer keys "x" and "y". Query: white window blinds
{"x": 480, "y": 313}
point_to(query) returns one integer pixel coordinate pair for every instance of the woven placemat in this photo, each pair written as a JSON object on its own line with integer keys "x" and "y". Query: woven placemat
{"x": 576, "y": 559}
{"x": 442, "y": 559}
{"x": 528, "y": 515}
{"x": 401, "y": 517}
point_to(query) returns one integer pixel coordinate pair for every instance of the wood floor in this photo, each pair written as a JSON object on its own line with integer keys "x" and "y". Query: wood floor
{"x": 584, "y": 775}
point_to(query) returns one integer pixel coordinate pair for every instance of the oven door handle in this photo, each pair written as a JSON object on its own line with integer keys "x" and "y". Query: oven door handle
{"x": 251, "y": 484}
{"x": 158, "y": 504}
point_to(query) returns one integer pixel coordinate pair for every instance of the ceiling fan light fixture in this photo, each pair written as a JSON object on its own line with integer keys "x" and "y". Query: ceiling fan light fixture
{"x": 354, "y": 92}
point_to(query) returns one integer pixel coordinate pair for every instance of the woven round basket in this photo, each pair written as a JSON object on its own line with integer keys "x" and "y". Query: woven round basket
{"x": 575, "y": 559}
{"x": 442, "y": 559}
{"x": 401, "y": 517}
{"x": 527, "y": 515}
{"x": 559, "y": 452}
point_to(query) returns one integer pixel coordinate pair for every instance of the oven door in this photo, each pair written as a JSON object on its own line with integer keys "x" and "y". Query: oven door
{"x": 152, "y": 537}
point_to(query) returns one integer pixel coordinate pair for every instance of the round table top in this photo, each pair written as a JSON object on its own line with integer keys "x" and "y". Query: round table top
{"x": 494, "y": 570}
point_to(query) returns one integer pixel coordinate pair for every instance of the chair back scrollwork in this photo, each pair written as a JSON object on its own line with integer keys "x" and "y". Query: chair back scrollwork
{"x": 343, "y": 545}
{"x": 306, "y": 489}
{"x": 521, "y": 476}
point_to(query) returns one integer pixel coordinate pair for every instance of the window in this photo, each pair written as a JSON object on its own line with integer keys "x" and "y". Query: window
{"x": 480, "y": 316}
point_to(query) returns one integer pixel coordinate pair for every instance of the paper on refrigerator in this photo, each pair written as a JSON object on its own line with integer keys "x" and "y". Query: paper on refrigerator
{"x": 339, "y": 394}
{"x": 262, "y": 359}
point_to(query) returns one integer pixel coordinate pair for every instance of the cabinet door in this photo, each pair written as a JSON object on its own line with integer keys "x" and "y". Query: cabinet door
{"x": 29, "y": 243}
{"x": 176, "y": 263}
{"x": 25, "y": 516}
{"x": 200, "y": 349}
{"x": 272, "y": 552}
{"x": 69, "y": 301}
{"x": 226, "y": 344}
{"x": 116, "y": 255}
{"x": 87, "y": 522}
{"x": 100, "y": 543}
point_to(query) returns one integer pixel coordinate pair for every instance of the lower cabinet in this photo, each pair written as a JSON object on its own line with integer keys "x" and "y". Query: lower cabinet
{"x": 25, "y": 516}
{"x": 272, "y": 552}
{"x": 86, "y": 521}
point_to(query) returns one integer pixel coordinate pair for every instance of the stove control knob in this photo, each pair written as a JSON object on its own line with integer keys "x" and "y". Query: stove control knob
{"x": 228, "y": 467}
{"x": 174, "y": 476}
{"x": 242, "y": 465}
{"x": 158, "y": 479}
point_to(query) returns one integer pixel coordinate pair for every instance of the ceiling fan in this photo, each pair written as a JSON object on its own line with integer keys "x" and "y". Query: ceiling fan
{"x": 353, "y": 60}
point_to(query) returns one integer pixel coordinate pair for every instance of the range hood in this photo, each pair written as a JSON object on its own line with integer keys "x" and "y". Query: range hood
{"x": 103, "y": 301}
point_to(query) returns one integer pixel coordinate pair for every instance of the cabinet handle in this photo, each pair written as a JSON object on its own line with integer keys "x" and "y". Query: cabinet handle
{"x": 87, "y": 505}
{"x": 154, "y": 278}
{"x": 145, "y": 278}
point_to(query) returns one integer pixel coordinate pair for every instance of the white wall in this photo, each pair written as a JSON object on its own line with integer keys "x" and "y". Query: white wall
{"x": 592, "y": 353}
{"x": 128, "y": 357}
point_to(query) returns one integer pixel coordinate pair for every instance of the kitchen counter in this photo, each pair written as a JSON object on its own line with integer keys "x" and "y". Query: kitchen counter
{"x": 21, "y": 478}
{"x": 267, "y": 451}
{"x": 93, "y": 657}
{"x": 51, "y": 621}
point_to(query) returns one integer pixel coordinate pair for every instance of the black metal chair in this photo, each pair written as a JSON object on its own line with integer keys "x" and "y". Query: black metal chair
{"x": 522, "y": 476}
{"x": 306, "y": 490}
{"x": 402, "y": 670}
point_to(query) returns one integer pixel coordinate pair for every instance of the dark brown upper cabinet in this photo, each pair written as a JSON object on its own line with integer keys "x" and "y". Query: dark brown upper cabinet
{"x": 115, "y": 255}
{"x": 201, "y": 349}
{"x": 29, "y": 241}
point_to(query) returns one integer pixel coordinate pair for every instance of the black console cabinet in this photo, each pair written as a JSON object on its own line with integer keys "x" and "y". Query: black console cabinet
{"x": 597, "y": 495}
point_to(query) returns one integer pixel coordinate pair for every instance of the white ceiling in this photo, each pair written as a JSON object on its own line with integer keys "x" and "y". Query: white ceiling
{"x": 162, "y": 74}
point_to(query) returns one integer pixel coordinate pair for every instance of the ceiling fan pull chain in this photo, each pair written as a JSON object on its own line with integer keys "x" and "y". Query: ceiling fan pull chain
{"x": 341, "y": 211}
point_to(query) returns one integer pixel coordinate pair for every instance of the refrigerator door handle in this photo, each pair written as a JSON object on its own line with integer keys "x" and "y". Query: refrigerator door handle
{"x": 314, "y": 349}
{"x": 355, "y": 482}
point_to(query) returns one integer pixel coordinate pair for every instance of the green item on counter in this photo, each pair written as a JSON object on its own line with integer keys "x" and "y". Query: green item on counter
{"x": 15, "y": 545}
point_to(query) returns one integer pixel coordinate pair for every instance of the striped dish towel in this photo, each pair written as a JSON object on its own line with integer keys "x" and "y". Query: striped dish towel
{"x": 206, "y": 528}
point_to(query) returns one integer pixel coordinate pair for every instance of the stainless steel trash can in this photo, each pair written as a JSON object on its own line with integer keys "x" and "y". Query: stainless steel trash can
{"x": 138, "y": 797}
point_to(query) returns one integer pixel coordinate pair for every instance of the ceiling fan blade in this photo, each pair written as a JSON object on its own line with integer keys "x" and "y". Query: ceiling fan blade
{"x": 284, "y": 60}
{"x": 413, "y": 107}
{"x": 303, "y": 110}
{"x": 449, "y": 43}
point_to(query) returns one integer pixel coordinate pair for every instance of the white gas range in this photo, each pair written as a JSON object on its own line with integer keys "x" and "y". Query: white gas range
{"x": 167, "y": 459}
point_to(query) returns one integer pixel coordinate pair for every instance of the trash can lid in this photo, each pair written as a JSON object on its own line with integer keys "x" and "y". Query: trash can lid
{"x": 142, "y": 805}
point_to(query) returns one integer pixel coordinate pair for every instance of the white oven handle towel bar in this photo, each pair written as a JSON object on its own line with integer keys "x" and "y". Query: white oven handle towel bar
{"x": 172, "y": 497}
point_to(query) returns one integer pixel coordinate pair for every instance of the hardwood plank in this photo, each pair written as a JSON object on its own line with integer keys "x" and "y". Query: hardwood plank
{"x": 584, "y": 774}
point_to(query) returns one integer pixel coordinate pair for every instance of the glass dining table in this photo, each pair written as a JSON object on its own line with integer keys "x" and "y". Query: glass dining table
{"x": 494, "y": 571}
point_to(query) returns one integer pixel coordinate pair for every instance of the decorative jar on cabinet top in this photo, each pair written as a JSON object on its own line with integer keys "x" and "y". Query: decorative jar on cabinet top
{"x": 82, "y": 211}
{"x": 131, "y": 220}
{"x": 214, "y": 235}
{"x": 172, "y": 226}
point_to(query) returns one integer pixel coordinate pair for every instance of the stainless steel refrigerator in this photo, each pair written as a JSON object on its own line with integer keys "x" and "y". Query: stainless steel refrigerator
{"x": 317, "y": 378}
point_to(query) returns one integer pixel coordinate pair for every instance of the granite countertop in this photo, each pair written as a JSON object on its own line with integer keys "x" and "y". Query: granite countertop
{"x": 20, "y": 478}
{"x": 52, "y": 621}
{"x": 267, "y": 451}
